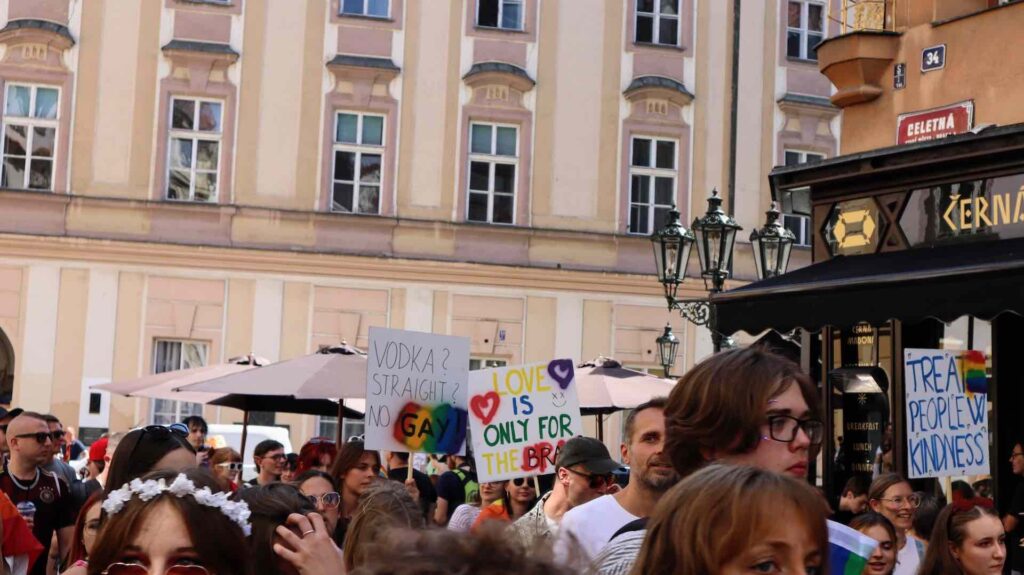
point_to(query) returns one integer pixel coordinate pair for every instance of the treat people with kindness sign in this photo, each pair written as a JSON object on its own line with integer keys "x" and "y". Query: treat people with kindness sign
{"x": 947, "y": 413}
{"x": 416, "y": 391}
{"x": 521, "y": 416}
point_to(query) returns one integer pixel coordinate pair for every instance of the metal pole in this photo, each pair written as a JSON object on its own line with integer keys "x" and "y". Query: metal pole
{"x": 245, "y": 430}
{"x": 341, "y": 421}
{"x": 734, "y": 111}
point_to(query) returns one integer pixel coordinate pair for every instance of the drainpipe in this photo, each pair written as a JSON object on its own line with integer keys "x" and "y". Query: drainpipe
{"x": 734, "y": 107}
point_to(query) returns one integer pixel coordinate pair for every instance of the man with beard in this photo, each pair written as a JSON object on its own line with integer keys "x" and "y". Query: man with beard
{"x": 591, "y": 525}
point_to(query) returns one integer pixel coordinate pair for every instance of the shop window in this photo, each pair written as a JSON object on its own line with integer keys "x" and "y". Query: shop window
{"x": 493, "y": 162}
{"x": 29, "y": 136}
{"x": 805, "y": 29}
{"x": 795, "y": 205}
{"x": 195, "y": 144}
{"x": 171, "y": 355}
{"x": 358, "y": 160}
{"x": 327, "y": 426}
{"x": 652, "y": 183}
{"x": 503, "y": 14}
{"x": 371, "y": 8}
{"x": 657, "y": 22}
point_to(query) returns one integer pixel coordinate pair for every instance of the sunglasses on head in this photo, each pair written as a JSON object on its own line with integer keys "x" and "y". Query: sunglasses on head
{"x": 231, "y": 465}
{"x": 140, "y": 569}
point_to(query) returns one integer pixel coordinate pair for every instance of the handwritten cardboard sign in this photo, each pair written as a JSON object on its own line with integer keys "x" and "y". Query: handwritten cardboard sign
{"x": 521, "y": 416}
{"x": 947, "y": 413}
{"x": 416, "y": 391}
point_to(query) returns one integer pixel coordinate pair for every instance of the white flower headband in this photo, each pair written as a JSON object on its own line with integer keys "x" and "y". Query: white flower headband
{"x": 236, "y": 511}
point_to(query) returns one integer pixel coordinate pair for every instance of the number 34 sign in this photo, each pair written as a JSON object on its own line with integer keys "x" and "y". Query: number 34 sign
{"x": 933, "y": 58}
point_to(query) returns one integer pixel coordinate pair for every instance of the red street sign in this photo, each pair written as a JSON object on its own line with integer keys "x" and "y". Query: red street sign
{"x": 936, "y": 123}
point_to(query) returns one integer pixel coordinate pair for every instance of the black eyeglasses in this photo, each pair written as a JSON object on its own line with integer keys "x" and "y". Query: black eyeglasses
{"x": 595, "y": 480}
{"x": 784, "y": 428}
{"x": 42, "y": 437}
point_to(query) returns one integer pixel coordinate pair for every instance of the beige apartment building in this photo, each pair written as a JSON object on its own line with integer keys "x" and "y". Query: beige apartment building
{"x": 185, "y": 181}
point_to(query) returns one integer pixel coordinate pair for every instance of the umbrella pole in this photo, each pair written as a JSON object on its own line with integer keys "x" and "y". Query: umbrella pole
{"x": 341, "y": 421}
{"x": 245, "y": 429}
{"x": 600, "y": 427}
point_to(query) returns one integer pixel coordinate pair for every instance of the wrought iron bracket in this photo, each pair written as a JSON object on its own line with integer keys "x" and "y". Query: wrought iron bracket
{"x": 697, "y": 312}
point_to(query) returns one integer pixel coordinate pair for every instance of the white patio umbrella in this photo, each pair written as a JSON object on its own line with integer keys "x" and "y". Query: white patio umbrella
{"x": 164, "y": 385}
{"x": 604, "y": 387}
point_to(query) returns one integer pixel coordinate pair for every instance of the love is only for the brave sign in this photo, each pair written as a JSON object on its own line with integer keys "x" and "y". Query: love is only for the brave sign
{"x": 947, "y": 413}
{"x": 416, "y": 391}
{"x": 521, "y": 416}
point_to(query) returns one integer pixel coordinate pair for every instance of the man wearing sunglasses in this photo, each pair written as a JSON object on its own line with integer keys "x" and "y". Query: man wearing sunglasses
{"x": 583, "y": 470}
{"x": 24, "y": 480}
{"x": 57, "y": 465}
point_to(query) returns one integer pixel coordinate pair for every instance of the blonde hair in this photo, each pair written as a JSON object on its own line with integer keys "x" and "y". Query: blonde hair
{"x": 715, "y": 514}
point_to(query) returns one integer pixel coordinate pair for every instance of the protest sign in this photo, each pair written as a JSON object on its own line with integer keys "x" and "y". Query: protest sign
{"x": 521, "y": 416}
{"x": 947, "y": 413}
{"x": 416, "y": 391}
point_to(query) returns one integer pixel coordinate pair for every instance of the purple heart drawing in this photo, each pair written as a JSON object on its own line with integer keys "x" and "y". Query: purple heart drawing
{"x": 562, "y": 372}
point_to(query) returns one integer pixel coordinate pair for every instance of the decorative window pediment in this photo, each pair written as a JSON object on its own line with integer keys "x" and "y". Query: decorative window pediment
{"x": 363, "y": 77}
{"x": 809, "y": 116}
{"x": 200, "y": 62}
{"x": 659, "y": 88}
{"x": 37, "y": 43}
{"x": 498, "y": 84}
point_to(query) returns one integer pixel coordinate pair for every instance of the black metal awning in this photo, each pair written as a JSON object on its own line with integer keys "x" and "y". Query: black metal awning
{"x": 981, "y": 279}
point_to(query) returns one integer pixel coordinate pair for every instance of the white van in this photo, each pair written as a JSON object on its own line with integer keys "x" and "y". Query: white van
{"x": 231, "y": 436}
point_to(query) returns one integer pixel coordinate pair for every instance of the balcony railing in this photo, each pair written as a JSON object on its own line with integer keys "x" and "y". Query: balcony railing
{"x": 860, "y": 15}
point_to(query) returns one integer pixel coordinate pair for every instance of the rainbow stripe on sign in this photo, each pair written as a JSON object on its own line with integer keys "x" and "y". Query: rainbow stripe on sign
{"x": 848, "y": 549}
{"x": 975, "y": 377}
{"x": 431, "y": 429}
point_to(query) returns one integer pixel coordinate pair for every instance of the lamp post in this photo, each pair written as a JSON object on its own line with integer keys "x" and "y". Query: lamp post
{"x": 715, "y": 236}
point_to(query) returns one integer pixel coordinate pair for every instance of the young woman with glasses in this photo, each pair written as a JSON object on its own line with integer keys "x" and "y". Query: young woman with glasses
{"x": 157, "y": 530}
{"x": 892, "y": 496}
{"x": 354, "y": 470}
{"x": 517, "y": 498}
{"x": 322, "y": 492}
{"x": 147, "y": 449}
{"x": 968, "y": 539}
{"x": 86, "y": 528}
{"x": 226, "y": 464}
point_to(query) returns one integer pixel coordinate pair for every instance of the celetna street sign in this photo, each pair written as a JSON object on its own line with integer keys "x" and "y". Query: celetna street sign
{"x": 935, "y": 123}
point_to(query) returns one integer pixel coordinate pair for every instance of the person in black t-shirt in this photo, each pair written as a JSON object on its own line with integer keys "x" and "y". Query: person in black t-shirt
{"x": 398, "y": 470}
{"x": 24, "y": 480}
{"x": 451, "y": 488}
{"x": 1013, "y": 521}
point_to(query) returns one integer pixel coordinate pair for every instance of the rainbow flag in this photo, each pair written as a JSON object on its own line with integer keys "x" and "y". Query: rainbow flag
{"x": 848, "y": 549}
{"x": 975, "y": 378}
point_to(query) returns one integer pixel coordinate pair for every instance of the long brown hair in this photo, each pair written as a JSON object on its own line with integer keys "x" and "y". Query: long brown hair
{"x": 720, "y": 404}
{"x": 713, "y": 515}
{"x": 950, "y": 531}
{"x": 270, "y": 506}
{"x": 217, "y": 539}
{"x": 348, "y": 458}
{"x": 384, "y": 505}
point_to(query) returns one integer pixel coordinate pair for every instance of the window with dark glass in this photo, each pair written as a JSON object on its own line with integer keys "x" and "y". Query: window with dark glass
{"x": 805, "y": 29}
{"x": 493, "y": 160}
{"x": 195, "y": 135}
{"x": 795, "y": 205}
{"x": 652, "y": 183}
{"x": 358, "y": 157}
{"x": 657, "y": 22}
{"x": 372, "y": 8}
{"x": 503, "y": 14}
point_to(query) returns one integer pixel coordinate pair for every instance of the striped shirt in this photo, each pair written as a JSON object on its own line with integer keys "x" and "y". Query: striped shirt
{"x": 620, "y": 554}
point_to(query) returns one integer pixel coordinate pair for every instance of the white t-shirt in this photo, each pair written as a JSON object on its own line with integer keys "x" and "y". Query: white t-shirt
{"x": 908, "y": 559}
{"x": 592, "y": 525}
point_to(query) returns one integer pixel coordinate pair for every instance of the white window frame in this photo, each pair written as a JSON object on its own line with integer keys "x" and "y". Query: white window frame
{"x": 492, "y": 160}
{"x": 365, "y": 12}
{"x": 30, "y": 124}
{"x": 359, "y": 148}
{"x": 520, "y": 26}
{"x": 196, "y": 136}
{"x": 182, "y": 409}
{"x": 487, "y": 362}
{"x": 802, "y": 221}
{"x": 652, "y": 173}
{"x": 656, "y": 31}
{"x": 804, "y": 29}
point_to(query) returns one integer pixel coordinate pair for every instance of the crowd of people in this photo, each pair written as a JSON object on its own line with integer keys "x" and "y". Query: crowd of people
{"x": 716, "y": 485}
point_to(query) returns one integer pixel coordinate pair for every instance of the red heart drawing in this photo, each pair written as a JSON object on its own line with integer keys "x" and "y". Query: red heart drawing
{"x": 485, "y": 406}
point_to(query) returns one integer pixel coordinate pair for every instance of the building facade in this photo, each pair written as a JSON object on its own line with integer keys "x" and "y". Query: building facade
{"x": 186, "y": 181}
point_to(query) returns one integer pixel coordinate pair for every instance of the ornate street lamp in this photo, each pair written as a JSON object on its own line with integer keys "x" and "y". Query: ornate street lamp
{"x": 716, "y": 236}
{"x": 772, "y": 246}
{"x": 668, "y": 345}
{"x": 672, "y": 245}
